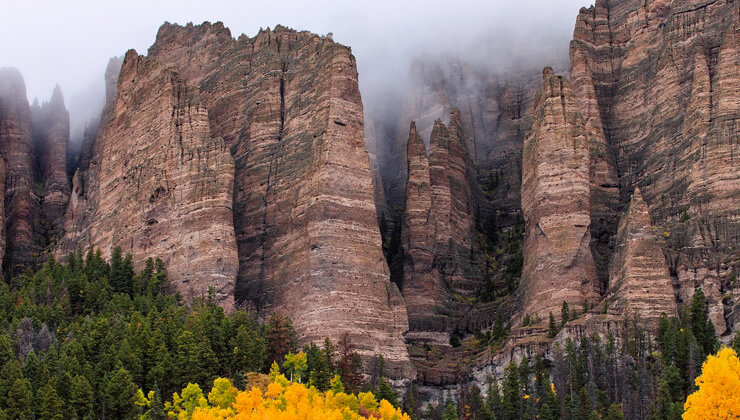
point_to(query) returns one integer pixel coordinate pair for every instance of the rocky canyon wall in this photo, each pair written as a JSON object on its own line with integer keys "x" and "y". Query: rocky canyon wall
{"x": 661, "y": 79}
{"x": 244, "y": 159}
{"x": 558, "y": 265}
{"x": 33, "y": 144}
{"x": 441, "y": 277}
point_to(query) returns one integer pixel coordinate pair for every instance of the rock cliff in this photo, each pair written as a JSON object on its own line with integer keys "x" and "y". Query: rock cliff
{"x": 660, "y": 78}
{"x": 558, "y": 265}
{"x": 33, "y": 143}
{"x": 50, "y": 126}
{"x": 639, "y": 280}
{"x": 440, "y": 275}
{"x": 292, "y": 203}
{"x": 22, "y": 205}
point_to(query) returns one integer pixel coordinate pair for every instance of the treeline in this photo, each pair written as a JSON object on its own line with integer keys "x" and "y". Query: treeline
{"x": 80, "y": 339}
{"x": 635, "y": 377}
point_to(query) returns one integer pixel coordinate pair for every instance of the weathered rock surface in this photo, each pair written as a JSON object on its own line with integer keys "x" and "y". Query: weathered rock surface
{"x": 663, "y": 77}
{"x": 50, "y": 126}
{"x": 288, "y": 107}
{"x": 440, "y": 275}
{"x": 639, "y": 280}
{"x": 558, "y": 265}
{"x": 495, "y": 112}
{"x": 22, "y": 207}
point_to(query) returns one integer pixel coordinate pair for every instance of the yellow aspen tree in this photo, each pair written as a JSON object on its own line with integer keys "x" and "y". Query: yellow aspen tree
{"x": 718, "y": 396}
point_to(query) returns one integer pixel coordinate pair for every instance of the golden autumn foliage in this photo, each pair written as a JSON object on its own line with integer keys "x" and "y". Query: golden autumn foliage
{"x": 281, "y": 400}
{"x": 718, "y": 396}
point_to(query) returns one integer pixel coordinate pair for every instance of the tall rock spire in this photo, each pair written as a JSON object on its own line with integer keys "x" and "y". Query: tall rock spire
{"x": 558, "y": 265}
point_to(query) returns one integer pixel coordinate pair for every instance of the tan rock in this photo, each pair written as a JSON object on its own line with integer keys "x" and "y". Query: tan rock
{"x": 665, "y": 81}
{"x": 639, "y": 281}
{"x": 558, "y": 265}
{"x": 22, "y": 206}
{"x": 287, "y": 106}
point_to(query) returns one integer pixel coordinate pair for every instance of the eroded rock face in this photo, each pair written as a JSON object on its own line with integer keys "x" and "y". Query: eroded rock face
{"x": 495, "y": 108}
{"x": 440, "y": 275}
{"x": 663, "y": 77}
{"x": 166, "y": 183}
{"x": 288, "y": 107}
{"x": 639, "y": 281}
{"x": 50, "y": 126}
{"x": 558, "y": 265}
{"x": 22, "y": 206}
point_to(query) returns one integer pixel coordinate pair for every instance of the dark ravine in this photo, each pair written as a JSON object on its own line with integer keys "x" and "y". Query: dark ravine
{"x": 247, "y": 165}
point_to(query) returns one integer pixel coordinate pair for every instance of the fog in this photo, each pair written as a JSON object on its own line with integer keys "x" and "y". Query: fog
{"x": 69, "y": 42}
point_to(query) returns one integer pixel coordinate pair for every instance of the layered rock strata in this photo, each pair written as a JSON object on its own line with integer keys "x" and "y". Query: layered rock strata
{"x": 495, "y": 112}
{"x": 440, "y": 275}
{"x": 50, "y": 125}
{"x": 556, "y": 201}
{"x": 22, "y": 206}
{"x": 288, "y": 107}
{"x": 663, "y": 77}
{"x": 639, "y": 280}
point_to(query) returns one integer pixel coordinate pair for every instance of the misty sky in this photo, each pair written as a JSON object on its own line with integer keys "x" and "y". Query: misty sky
{"x": 69, "y": 42}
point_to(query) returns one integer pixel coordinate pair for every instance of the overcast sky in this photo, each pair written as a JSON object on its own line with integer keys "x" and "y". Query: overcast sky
{"x": 70, "y": 42}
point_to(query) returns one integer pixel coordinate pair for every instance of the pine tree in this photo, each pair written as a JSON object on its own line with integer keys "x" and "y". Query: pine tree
{"x": 19, "y": 401}
{"x": 80, "y": 397}
{"x": 553, "y": 327}
{"x": 411, "y": 402}
{"x": 384, "y": 390}
{"x": 702, "y": 328}
{"x": 249, "y": 350}
{"x": 119, "y": 393}
{"x": 511, "y": 401}
{"x": 564, "y": 313}
{"x": 319, "y": 374}
{"x": 194, "y": 359}
{"x": 281, "y": 337}
{"x": 50, "y": 406}
{"x": 450, "y": 411}
{"x": 493, "y": 401}
{"x": 349, "y": 365}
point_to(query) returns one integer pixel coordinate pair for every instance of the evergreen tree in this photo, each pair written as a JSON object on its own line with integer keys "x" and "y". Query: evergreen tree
{"x": 250, "y": 350}
{"x": 349, "y": 365}
{"x": 450, "y": 411}
{"x": 553, "y": 327}
{"x": 80, "y": 397}
{"x": 49, "y": 405}
{"x": 564, "y": 313}
{"x": 702, "y": 328}
{"x": 194, "y": 360}
{"x": 19, "y": 402}
{"x": 511, "y": 401}
{"x": 384, "y": 391}
{"x": 281, "y": 337}
{"x": 493, "y": 401}
{"x": 119, "y": 393}
{"x": 411, "y": 402}
{"x": 319, "y": 374}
